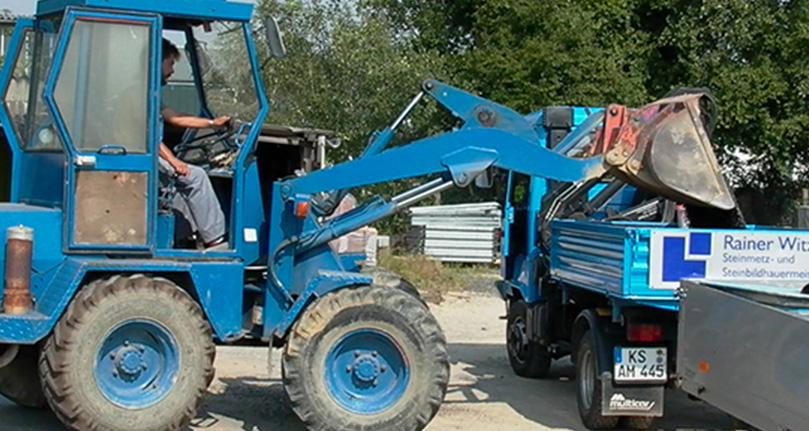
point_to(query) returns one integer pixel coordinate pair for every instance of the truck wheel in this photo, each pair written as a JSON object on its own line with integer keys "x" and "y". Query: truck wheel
{"x": 527, "y": 357}
{"x": 636, "y": 422}
{"x": 588, "y": 395}
{"x": 19, "y": 380}
{"x": 369, "y": 358}
{"x": 131, "y": 353}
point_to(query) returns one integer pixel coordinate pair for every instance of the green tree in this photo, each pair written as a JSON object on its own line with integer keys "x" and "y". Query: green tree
{"x": 750, "y": 53}
{"x": 347, "y": 71}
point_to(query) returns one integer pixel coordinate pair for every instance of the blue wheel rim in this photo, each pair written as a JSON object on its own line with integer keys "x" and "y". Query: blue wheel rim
{"x": 137, "y": 364}
{"x": 366, "y": 371}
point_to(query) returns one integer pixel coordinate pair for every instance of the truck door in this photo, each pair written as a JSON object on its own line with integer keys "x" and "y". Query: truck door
{"x": 102, "y": 91}
{"x": 515, "y": 222}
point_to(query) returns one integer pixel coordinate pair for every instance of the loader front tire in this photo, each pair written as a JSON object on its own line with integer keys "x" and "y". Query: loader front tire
{"x": 19, "y": 380}
{"x": 131, "y": 353}
{"x": 366, "y": 358}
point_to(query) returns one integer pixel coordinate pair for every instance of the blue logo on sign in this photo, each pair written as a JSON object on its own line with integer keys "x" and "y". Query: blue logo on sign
{"x": 675, "y": 264}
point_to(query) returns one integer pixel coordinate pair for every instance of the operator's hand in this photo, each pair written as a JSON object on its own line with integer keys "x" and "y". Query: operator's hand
{"x": 221, "y": 122}
{"x": 180, "y": 167}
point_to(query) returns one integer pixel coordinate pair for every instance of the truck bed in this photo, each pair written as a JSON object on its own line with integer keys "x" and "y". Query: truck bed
{"x": 643, "y": 263}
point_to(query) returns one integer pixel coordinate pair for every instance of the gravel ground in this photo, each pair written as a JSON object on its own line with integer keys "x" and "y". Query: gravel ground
{"x": 484, "y": 395}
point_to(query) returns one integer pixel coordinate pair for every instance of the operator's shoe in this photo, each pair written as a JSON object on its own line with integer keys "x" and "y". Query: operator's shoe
{"x": 217, "y": 244}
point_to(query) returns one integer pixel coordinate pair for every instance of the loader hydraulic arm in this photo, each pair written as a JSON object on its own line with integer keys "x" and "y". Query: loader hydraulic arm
{"x": 662, "y": 147}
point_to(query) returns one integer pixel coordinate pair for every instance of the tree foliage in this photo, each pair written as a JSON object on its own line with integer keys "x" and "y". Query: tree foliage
{"x": 345, "y": 71}
{"x": 355, "y": 63}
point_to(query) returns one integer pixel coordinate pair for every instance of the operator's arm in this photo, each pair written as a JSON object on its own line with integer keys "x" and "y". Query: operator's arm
{"x": 179, "y": 119}
{"x": 179, "y": 166}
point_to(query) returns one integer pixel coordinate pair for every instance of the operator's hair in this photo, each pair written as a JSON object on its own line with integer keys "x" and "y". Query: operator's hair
{"x": 170, "y": 50}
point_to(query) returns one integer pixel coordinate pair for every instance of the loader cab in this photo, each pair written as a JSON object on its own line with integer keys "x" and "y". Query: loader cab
{"x": 82, "y": 105}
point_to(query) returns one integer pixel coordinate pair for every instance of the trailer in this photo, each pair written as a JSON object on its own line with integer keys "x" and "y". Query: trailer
{"x": 741, "y": 348}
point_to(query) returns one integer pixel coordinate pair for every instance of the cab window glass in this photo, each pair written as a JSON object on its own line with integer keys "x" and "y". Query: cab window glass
{"x": 179, "y": 91}
{"x": 32, "y": 122}
{"x": 102, "y": 88}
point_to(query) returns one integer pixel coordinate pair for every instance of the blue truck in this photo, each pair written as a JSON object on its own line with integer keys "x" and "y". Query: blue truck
{"x": 111, "y": 322}
{"x": 601, "y": 271}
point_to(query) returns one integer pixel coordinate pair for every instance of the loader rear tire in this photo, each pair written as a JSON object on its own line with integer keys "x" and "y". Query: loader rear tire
{"x": 528, "y": 358}
{"x": 131, "y": 353}
{"x": 588, "y": 382}
{"x": 19, "y": 380}
{"x": 368, "y": 357}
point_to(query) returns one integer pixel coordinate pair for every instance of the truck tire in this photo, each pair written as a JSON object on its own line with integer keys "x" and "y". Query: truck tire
{"x": 131, "y": 353}
{"x": 368, "y": 358}
{"x": 636, "y": 422}
{"x": 19, "y": 380}
{"x": 588, "y": 383}
{"x": 527, "y": 357}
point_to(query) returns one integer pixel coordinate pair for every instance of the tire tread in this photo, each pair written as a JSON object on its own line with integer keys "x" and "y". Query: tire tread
{"x": 64, "y": 339}
{"x": 316, "y": 318}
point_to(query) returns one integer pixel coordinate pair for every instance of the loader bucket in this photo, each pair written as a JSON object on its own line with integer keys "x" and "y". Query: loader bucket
{"x": 665, "y": 148}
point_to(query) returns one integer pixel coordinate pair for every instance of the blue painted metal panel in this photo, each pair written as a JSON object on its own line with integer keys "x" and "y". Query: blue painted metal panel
{"x": 251, "y": 234}
{"x": 283, "y": 225}
{"x": 165, "y": 231}
{"x": 352, "y": 261}
{"x": 309, "y": 265}
{"x": 189, "y": 9}
{"x": 220, "y": 287}
{"x": 41, "y": 179}
{"x": 50, "y": 303}
{"x": 217, "y": 285}
{"x": 590, "y": 255}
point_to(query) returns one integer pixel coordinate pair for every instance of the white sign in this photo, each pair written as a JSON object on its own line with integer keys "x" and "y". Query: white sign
{"x": 727, "y": 255}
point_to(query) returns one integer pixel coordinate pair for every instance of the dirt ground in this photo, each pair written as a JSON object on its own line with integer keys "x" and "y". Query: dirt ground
{"x": 484, "y": 395}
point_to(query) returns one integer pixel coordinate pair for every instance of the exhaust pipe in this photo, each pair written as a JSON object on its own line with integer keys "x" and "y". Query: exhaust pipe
{"x": 17, "y": 298}
{"x": 7, "y": 353}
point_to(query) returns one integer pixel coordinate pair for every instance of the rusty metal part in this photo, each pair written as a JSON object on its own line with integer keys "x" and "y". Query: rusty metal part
{"x": 17, "y": 297}
{"x": 614, "y": 120}
{"x": 664, "y": 147}
{"x": 111, "y": 208}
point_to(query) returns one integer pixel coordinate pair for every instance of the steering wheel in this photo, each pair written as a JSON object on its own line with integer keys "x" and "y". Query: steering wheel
{"x": 207, "y": 140}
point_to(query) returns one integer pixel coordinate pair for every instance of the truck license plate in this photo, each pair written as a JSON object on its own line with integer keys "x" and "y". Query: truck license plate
{"x": 640, "y": 364}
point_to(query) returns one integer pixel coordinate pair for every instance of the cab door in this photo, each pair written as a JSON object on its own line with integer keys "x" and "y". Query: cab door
{"x": 102, "y": 92}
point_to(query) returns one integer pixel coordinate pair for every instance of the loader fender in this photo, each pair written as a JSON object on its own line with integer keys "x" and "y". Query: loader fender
{"x": 321, "y": 284}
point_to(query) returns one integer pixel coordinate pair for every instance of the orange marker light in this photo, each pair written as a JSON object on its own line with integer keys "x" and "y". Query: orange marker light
{"x": 301, "y": 209}
{"x": 704, "y": 366}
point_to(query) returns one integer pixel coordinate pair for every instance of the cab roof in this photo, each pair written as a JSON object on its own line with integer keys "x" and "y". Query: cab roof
{"x": 195, "y": 10}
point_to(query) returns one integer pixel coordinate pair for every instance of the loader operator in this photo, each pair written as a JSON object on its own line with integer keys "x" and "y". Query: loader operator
{"x": 202, "y": 209}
